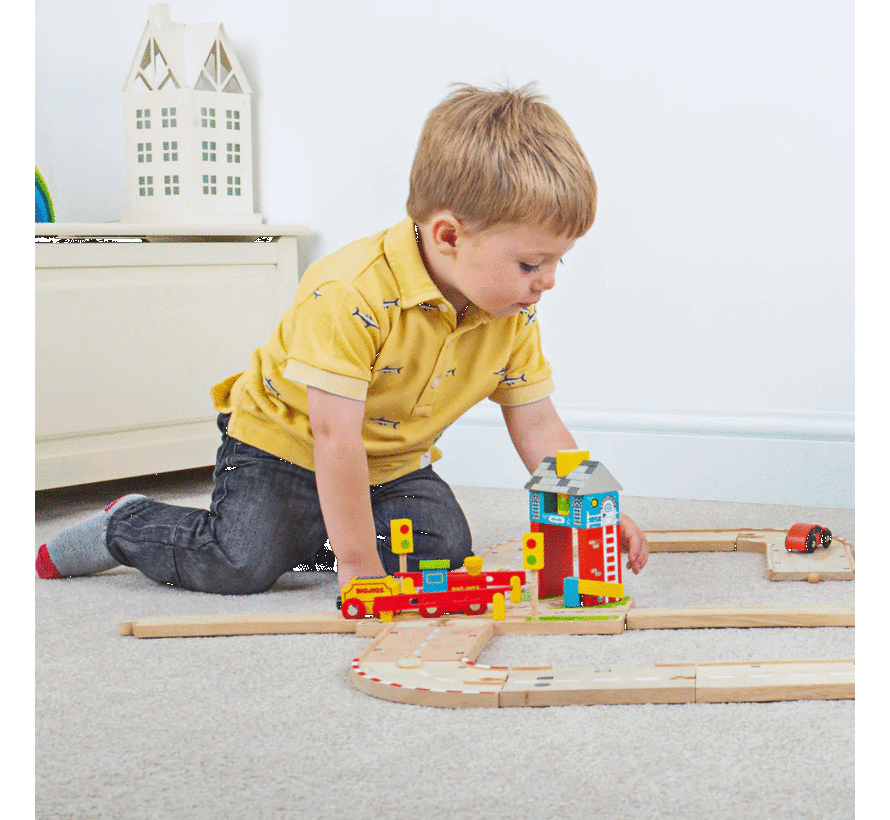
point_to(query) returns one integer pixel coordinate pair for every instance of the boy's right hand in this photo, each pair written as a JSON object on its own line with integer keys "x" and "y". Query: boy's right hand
{"x": 349, "y": 572}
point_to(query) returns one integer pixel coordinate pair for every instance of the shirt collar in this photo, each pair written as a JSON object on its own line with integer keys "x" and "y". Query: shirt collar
{"x": 403, "y": 256}
{"x": 413, "y": 280}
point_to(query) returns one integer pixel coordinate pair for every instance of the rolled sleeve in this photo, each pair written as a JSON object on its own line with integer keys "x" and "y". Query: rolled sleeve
{"x": 525, "y": 394}
{"x": 324, "y": 380}
{"x": 335, "y": 341}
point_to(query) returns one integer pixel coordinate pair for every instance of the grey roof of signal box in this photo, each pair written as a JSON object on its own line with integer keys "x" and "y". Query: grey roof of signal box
{"x": 588, "y": 478}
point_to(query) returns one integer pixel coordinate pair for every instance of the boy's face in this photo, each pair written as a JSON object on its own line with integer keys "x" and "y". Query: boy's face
{"x": 506, "y": 268}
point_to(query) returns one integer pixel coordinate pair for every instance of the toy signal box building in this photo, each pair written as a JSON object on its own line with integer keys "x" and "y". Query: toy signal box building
{"x": 572, "y": 497}
{"x": 187, "y": 120}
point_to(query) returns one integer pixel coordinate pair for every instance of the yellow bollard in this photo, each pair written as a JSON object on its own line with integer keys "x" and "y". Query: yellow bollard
{"x": 498, "y": 607}
{"x": 515, "y": 590}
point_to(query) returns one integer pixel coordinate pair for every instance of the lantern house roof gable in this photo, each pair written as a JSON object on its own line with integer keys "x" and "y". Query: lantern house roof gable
{"x": 184, "y": 50}
{"x": 588, "y": 478}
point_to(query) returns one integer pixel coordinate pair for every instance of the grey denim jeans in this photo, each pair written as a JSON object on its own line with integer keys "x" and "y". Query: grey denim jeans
{"x": 265, "y": 519}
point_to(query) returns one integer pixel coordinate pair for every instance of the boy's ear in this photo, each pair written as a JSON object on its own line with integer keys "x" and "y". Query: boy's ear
{"x": 446, "y": 229}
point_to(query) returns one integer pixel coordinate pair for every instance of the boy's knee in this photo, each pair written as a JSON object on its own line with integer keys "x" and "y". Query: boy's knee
{"x": 232, "y": 580}
{"x": 252, "y": 582}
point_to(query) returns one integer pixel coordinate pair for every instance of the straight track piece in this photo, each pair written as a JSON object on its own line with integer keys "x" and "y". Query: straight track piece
{"x": 206, "y": 626}
{"x": 736, "y": 617}
{"x": 692, "y": 540}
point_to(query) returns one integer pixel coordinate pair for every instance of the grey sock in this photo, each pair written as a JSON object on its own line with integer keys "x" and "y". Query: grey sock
{"x": 80, "y": 550}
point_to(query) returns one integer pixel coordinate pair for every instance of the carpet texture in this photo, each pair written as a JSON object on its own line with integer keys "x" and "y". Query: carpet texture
{"x": 271, "y": 727}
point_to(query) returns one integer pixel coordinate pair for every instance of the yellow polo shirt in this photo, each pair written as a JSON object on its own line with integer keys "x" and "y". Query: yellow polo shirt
{"x": 368, "y": 323}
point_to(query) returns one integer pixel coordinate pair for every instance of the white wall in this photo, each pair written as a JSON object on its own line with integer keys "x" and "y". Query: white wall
{"x": 701, "y": 334}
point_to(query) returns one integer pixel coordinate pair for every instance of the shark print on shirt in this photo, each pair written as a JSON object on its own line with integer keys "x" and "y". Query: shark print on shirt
{"x": 531, "y": 315}
{"x": 368, "y": 320}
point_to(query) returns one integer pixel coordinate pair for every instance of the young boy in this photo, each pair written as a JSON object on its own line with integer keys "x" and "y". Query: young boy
{"x": 330, "y": 432}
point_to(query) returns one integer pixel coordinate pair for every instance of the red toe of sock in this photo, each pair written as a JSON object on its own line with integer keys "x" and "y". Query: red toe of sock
{"x": 45, "y": 566}
{"x": 108, "y": 508}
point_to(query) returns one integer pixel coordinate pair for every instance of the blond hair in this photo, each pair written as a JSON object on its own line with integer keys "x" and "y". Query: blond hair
{"x": 502, "y": 156}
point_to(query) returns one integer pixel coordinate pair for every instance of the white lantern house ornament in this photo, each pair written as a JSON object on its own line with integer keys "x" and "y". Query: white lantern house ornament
{"x": 187, "y": 113}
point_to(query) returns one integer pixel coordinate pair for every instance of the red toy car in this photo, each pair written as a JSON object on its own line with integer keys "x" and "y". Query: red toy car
{"x": 806, "y": 537}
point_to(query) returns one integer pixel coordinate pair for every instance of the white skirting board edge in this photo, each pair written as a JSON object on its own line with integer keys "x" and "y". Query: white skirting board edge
{"x": 801, "y": 460}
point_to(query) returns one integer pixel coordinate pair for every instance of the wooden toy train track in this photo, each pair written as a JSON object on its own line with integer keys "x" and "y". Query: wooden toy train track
{"x": 432, "y": 661}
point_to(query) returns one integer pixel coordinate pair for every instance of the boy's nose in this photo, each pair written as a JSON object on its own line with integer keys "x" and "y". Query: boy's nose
{"x": 545, "y": 282}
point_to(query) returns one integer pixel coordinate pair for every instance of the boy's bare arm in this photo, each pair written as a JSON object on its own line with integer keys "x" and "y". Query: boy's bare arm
{"x": 341, "y": 474}
{"x": 537, "y": 431}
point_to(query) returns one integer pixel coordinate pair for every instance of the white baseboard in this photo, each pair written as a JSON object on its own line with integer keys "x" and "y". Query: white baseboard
{"x": 802, "y": 460}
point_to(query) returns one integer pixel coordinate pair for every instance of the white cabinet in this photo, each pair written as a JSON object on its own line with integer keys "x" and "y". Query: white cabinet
{"x": 131, "y": 335}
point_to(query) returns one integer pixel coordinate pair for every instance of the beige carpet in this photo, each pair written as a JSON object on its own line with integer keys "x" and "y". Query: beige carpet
{"x": 271, "y": 727}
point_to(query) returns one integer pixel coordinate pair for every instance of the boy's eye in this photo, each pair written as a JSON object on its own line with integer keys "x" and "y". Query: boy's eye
{"x": 526, "y": 268}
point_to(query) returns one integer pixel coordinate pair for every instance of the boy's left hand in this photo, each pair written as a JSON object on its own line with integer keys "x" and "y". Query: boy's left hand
{"x": 635, "y": 544}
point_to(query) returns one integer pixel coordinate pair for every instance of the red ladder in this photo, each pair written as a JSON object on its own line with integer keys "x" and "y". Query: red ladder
{"x": 611, "y": 555}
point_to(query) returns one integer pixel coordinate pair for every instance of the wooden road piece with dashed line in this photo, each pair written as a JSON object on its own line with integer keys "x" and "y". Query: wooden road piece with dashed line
{"x": 774, "y": 680}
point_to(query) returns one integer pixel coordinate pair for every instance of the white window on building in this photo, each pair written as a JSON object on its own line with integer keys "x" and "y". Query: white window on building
{"x": 233, "y": 186}
{"x": 143, "y": 118}
{"x": 146, "y": 186}
{"x": 143, "y": 151}
{"x": 153, "y": 69}
{"x": 208, "y": 117}
{"x": 171, "y": 184}
{"x": 168, "y": 118}
{"x": 208, "y": 151}
{"x": 171, "y": 151}
{"x": 210, "y": 184}
{"x": 233, "y": 120}
{"x": 217, "y": 74}
{"x": 233, "y": 152}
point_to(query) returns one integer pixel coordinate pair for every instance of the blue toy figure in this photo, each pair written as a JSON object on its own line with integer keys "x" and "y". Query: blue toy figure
{"x": 43, "y": 205}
